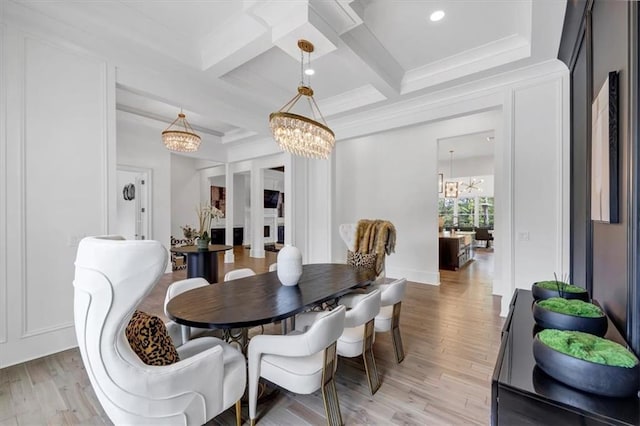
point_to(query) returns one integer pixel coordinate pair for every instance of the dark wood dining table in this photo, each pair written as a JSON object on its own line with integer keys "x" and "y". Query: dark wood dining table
{"x": 262, "y": 299}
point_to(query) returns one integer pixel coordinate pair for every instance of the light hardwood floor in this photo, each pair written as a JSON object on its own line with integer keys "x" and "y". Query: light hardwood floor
{"x": 451, "y": 338}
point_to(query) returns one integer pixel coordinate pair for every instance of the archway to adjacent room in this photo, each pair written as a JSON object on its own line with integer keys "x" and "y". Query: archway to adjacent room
{"x": 466, "y": 200}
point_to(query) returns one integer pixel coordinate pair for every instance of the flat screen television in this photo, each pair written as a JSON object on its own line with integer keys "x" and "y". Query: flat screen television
{"x": 271, "y": 199}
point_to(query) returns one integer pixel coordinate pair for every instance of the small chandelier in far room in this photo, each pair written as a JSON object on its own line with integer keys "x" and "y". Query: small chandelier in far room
{"x": 451, "y": 187}
{"x": 180, "y": 140}
{"x": 296, "y": 133}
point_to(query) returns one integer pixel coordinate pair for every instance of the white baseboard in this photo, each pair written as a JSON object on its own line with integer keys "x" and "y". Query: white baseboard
{"x": 417, "y": 276}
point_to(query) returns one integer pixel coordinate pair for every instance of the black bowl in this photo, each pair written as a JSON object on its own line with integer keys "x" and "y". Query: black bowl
{"x": 546, "y": 318}
{"x": 541, "y": 293}
{"x": 600, "y": 379}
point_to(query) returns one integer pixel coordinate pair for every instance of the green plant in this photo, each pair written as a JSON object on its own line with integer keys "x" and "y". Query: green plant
{"x": 588, "y": 347}
{"x": 571, "y": 307}
{"x": 566, "y": 287}
{"x": 206, "y": 213}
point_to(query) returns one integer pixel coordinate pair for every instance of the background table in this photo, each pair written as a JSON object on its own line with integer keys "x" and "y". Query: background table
{"x": 202, "y": 262}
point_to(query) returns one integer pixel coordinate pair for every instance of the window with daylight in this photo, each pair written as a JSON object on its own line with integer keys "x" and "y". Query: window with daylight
{"x": 486, "y": 206}
{"x": 467, "y": 212}
{"x": 445, "y": 209}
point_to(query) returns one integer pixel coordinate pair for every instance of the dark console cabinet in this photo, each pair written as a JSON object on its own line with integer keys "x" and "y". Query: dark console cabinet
{"x": 522, "y": 394}
{"x": 218, "y": 236}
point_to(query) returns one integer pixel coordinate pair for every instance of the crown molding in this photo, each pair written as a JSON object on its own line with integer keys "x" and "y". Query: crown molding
{"x": 476, "y": 96}
{"x": 490, "y": 55}
{"x": 347, "y": 101}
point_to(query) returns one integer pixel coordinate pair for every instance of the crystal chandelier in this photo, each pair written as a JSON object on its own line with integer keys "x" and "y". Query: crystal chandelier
{"x": 296, "y": 133}
{"x": 180, "y": 140}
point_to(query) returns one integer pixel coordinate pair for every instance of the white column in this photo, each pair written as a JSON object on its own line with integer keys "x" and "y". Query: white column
{"x": 229, "y": 257}
{"x": 257, "y": 212}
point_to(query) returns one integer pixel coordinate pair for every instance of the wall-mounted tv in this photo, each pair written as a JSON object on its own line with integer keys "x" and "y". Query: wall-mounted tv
{"x": 271, "y": 199}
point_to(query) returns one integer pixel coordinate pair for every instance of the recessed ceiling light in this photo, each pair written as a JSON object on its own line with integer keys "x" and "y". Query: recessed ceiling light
{"x": 437, "y": 15}
{"x": 309, "y": 71}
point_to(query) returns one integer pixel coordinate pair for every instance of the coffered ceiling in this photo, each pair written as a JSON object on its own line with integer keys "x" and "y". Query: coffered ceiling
{"x": 229, "y": 63}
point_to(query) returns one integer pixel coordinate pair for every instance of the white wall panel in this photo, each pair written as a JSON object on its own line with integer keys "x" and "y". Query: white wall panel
{"x": 63, "y": 121}
{"x": 537, "y": 172}
{"x": 58, "y": 181}
{"x": 4, "y": 308}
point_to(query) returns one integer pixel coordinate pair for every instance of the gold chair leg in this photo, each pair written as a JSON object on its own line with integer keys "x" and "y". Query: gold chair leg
{"x": 253, "y": 422}
{"x": 395, "y": 333}
{"x": 369, "y": 360}
{"x": 238, "y": 413}
{"x": 328, "y": 388}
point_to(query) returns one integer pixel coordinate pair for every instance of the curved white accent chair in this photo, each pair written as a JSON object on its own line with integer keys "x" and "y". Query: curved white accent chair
{"x": 302, "y": 361}
{"x": 358, "y": 336}
{"x": 238, "y": 273}
{"x": 273, "y": 267}
{"x": 347, "y": 232}
{"x": 180, "y": 287}
{"x": 112, "y": 276}
{"x": 389, "y": 317}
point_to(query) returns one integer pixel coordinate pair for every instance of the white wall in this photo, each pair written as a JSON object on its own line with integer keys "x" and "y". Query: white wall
{"x": 141, "y": 146}
{"x": 476, "y": 166}
{"x": 386, "y": 176}
{"x": 58, "y": 175}
{"x": 185, "y": 193}
{"x": 392, "y": 175}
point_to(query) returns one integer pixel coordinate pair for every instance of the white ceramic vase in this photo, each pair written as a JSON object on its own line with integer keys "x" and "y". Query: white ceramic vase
{"x": 289, "y": 265}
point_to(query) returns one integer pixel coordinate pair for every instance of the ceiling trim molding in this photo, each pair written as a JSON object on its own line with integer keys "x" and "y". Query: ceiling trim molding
{"x": 346, "y": 101}
{"x": 479, "y": 95}
{"x": 490, "y": 55}
{"x": 164, "y": 120}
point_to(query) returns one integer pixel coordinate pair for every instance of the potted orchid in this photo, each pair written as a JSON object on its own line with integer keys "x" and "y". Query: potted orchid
{"x": 206, "y": 213}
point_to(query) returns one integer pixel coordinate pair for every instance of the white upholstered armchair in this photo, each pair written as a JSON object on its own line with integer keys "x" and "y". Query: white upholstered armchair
{"x": 302, "y": 361}
{"x": 111, "y": 278}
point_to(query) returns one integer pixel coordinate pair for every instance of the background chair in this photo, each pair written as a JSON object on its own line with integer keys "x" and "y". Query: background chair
{"x": 482, "y": 234}
{"x": 302, "y": 361}
{"x": 238, "y": 273}
{"x": 357, "y": 338}
{"x": 389, "y": 317}
{"x": 273, "y": 267}
{"x": 180, "y": 287}
{"x": 111, "y": 278}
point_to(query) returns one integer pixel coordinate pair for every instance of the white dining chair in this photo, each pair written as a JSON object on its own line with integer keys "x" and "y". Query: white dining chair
{"x": 180, "y": 287}
{"x": 358, "y": 336}
{"x": 303, "y": 361}
{"x": 112, "y": 276}
{"x": 389, "y": 317}
{"x": 238, "y": 273}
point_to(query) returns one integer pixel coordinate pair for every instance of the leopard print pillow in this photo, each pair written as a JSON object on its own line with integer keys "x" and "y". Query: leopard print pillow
{"x": 363, "y": 261}
{"x": 149, "y": 339}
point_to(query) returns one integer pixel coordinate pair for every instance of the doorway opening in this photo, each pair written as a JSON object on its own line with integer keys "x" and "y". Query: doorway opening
{"x": 133, "y": 206}
{"x": 465, "y": 199}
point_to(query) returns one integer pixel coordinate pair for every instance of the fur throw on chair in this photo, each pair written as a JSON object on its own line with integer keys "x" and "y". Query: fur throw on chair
{"x": 375, "y": 236}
